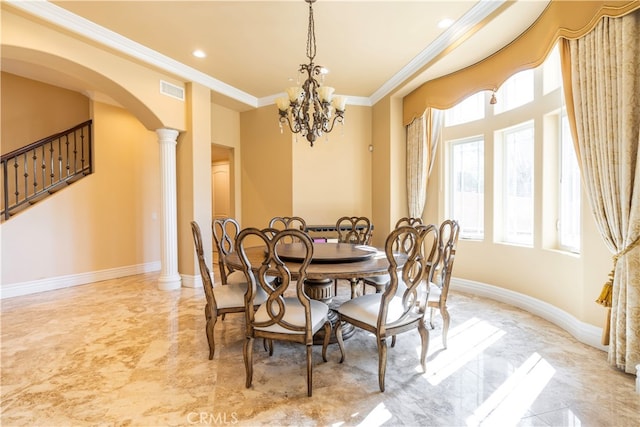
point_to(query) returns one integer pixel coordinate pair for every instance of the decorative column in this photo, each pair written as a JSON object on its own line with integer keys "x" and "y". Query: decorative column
{"x": 169, "y": 277}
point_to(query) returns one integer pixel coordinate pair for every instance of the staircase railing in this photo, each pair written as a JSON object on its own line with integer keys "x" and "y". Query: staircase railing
{"x": 37, "y": 170}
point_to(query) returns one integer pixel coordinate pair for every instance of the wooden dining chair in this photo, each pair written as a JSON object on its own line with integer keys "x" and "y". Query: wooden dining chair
{"x": 288, "y": 222}
{"x": 354, "y": 230}
{"x": 439, "y": 285}
{"x": 225, "y": 231}
{"x": 381, "y": 281}
{"x": 402, "y": 306}
{"x": 220, "y": 299}
{"x": 288, "y": 314}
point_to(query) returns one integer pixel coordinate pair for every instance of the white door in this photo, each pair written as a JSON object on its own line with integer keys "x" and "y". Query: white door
{"x": 221, "y": 200}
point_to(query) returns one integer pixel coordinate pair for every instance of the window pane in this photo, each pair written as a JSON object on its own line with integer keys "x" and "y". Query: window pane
{"x": 517, "y": 186}
{"x": 468, "y": 110}
{"x": 467, "y": 187}
{"x": 551, "y": 73}
{"x": 516, "y": 91}
{"x": 569, "y": 204}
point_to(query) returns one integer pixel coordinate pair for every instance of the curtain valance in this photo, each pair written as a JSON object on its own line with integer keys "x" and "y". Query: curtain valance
{"x": 561, "y": 19}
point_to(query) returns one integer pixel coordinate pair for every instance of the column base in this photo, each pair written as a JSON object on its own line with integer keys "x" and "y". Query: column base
{"x": 169, "y": 283}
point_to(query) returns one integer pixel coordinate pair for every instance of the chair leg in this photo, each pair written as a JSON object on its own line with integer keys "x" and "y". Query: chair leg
{"x": 268, "y": 346}
{"x": 445, "y": 325}
{"x": 393, "y": 341}
{"x": 340, "y": 340}
{"x": 433, "y": 310}
{"x": 327, "y": 336}
{"x": 309, "y": 370}
{"x": 209, "y": 328}
{"x": 382, "y": 362}
{"x": 424, "y": 337}
{"x": 248, "y": 360}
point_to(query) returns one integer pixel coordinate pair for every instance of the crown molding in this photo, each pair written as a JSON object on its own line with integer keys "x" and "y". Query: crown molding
{"x": 455, "y": 32}
{"x": 59, "y": 16}
{"x": 81, "y": 26}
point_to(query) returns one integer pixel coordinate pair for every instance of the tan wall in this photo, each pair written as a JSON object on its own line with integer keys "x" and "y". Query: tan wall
{"x": 104, "y": 221}
{"x": 129, "y": 83}
{"x": 282, "y": 177}
{"x": 333, "y": 178}
{"x": 194, "y": 179}
{"x": 33, "y": 110}
{"x": 267, "y": 188}
{"x": 389, "y": 192}
{"x": 225, "y": 131}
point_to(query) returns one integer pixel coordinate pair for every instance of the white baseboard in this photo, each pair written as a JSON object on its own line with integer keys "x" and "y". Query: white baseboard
{"x": 583, "y": 332}
{"x": 60, "y": 282}
{"x": 190, "y": 281}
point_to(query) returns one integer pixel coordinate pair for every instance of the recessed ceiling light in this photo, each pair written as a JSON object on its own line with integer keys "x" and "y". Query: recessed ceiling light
{"x": 199, "y": 54}
{"x": 445, "y": 23}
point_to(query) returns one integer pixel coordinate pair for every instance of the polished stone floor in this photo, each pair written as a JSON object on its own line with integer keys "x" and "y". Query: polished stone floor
{"x": 123, "y": 353}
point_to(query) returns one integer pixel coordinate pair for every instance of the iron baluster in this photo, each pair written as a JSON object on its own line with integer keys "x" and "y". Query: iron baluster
{"x": 44, "y": 168}
{"x": 51, "y": 174}
{"x": 82, "y": 149}
{"x": 25, "y": 173}
{"x": 15, "y": 172}
{"x": 89, "y": 149}
{"x": 59, "y": 160}
{"x": 35, "y": 168}
{"x": 75, "y": 153}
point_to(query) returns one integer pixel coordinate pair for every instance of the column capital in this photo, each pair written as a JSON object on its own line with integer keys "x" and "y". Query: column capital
{"x": 166, "y": 135}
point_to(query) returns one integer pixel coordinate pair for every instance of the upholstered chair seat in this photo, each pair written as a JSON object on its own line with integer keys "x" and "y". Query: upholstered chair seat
{"x": 295, "y": 316}
{"x": 366, "y": 309}
{"x": 233, "y": 296}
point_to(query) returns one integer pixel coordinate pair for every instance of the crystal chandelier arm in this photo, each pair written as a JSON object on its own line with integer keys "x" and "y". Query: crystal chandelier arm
{"x": 339, "y": 117}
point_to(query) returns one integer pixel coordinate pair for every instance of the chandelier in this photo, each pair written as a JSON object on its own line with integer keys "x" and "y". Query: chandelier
{"x": 311, "y": 109}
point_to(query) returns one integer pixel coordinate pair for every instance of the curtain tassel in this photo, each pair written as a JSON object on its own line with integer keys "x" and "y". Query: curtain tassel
{"x": 607, "y": 289}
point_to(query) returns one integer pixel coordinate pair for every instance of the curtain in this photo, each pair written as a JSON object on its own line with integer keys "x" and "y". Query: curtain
{"x": 423, "y": 135}
{"x": 601, "y": 71}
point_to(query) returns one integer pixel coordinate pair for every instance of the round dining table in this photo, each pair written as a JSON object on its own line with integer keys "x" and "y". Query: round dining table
{"x": 330, "y": 261}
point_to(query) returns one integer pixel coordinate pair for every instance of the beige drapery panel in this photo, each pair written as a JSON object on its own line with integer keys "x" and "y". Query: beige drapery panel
{"x": 602, "y": 90}
{"x": 423, "y": 135}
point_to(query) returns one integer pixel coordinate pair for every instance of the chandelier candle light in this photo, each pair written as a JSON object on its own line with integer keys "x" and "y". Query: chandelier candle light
{"x": 295, "y": 109}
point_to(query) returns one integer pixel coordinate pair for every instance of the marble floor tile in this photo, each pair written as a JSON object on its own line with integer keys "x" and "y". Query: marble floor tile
{"x": 123, "y": 353}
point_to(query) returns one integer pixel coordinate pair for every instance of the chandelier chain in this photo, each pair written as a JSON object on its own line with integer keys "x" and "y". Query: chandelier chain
{"x": 311, "y": 35}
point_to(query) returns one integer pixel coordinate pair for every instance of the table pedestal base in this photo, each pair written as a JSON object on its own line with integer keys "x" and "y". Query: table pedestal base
{"x": 322, "y": 290}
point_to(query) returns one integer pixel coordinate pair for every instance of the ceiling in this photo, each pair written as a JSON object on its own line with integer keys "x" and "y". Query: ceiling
{"x": 254, "y": 48}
